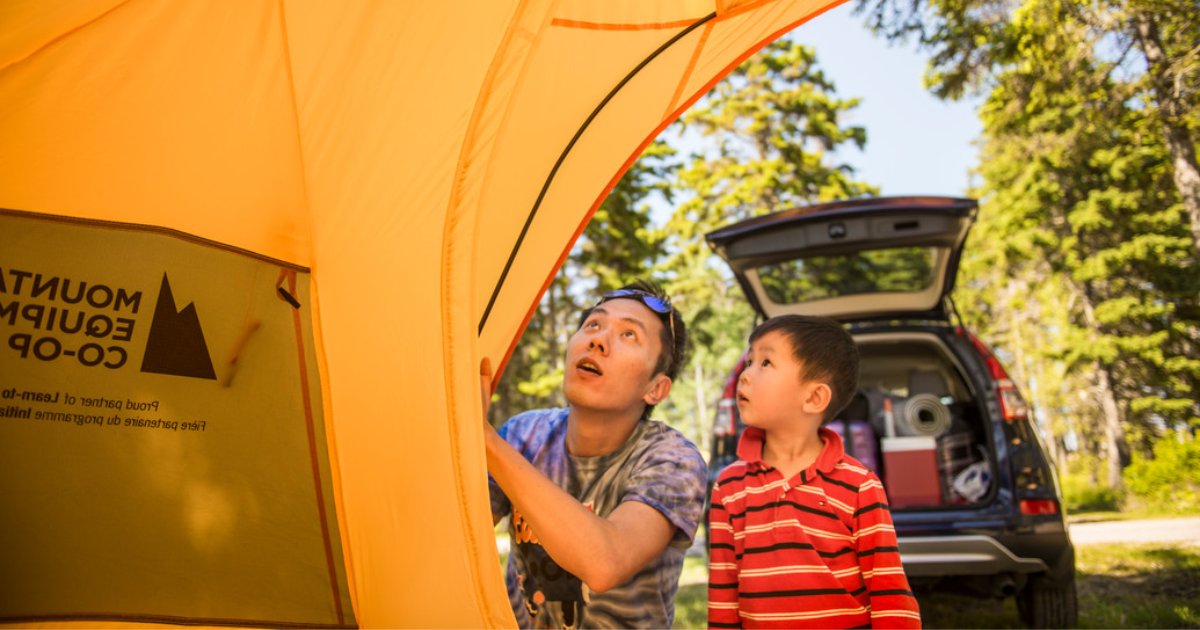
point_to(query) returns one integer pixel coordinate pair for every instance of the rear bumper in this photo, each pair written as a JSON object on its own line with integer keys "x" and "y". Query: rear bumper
{"x": 931, "y": 556}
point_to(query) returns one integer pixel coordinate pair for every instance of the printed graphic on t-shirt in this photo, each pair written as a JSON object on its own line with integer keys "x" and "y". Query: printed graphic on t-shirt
{"x": 544, "y": 580}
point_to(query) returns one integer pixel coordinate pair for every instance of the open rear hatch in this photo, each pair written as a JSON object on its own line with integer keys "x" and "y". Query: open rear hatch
{"x": 915, "y": 420}
{"x": 860, "y": 259}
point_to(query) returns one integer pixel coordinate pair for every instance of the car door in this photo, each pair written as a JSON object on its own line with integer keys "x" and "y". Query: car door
{"x": 850, "y": 260}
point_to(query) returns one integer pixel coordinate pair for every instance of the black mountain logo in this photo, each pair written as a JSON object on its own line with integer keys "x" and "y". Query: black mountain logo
{"x": 176, "y": 345}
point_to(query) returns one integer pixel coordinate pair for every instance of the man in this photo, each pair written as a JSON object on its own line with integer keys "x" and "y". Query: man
{"x": 604, "y": 501}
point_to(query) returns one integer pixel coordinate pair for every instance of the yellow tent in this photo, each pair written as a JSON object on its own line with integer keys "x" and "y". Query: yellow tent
{"x": 251, "y": 256}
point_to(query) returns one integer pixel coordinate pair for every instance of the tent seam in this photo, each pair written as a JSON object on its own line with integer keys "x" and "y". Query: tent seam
{"x": 567, "y": 151}
{"x": 57, "y": 38}
{"x": 347, "y": 556}
{"x": 654, "y": 134}
{"x": 691, "y": 67}
{"x": 314, "y": 459}
{"x": 615, "y": 26}
{"x": 512, "y": 32}
{"x": 291, "y": 79}
{"x": 153, "y": 229}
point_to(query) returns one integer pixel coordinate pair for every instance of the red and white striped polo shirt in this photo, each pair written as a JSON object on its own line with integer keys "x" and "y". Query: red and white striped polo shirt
{"x": 814, "y": 551}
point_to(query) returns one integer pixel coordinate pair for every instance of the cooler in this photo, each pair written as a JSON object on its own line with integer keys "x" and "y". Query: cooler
{"x": 912, "y": 471}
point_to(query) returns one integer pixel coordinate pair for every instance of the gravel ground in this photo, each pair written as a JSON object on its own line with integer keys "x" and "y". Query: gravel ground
{"x": 1167, "y": 530}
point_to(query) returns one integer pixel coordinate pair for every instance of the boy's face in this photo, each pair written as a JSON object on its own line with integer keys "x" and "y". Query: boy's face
{"x": 771, "y": 391}
{"x": 611, "y": 359}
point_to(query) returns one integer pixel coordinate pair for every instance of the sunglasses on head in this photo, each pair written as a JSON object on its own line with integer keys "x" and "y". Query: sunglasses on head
{"x": 659, "y": 305}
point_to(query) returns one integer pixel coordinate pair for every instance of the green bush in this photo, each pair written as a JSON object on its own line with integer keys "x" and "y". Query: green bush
{"x": 1081, "y": 494}
{"x": 1169, "y": 480}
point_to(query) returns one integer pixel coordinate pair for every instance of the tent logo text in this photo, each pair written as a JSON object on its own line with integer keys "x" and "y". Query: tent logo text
{"x": 93, "y": 323}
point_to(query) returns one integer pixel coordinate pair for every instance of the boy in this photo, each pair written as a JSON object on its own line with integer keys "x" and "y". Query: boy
{"x": 801, "y": 532}
{"x": 604, "y": 501}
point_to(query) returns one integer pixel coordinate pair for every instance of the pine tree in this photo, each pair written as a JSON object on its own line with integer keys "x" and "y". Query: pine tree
{"x": 1078, "y": 193}
{"x": 765, "y": 139}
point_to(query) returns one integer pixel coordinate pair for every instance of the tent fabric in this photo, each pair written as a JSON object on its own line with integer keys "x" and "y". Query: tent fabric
{"x": 160, "y": 435}
{"x": 411, "y": 174}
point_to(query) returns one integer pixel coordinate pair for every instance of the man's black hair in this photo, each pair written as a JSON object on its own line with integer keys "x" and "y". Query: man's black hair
{"x": 826, "y": 353}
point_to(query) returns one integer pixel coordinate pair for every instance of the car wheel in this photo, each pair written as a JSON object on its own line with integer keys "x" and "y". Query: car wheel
{"x": 1047, "y": 604}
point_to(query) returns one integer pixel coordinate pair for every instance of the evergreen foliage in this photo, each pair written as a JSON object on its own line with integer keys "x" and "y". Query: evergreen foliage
{"x": 1083, "y": 264}
{"x": 763, "y": 140}
{"x": 1082, "y": 267}
{"x": 1167, "y": 480}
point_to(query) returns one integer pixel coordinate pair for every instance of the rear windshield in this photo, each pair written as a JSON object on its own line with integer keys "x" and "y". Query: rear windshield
{"x": 900, "y": 269}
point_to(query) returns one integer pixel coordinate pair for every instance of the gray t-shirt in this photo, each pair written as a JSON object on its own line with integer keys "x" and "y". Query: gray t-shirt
{"x": 656, "y": 466}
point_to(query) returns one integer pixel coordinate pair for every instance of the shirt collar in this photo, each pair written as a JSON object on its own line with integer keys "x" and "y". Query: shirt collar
{"x": 750, "y": 448}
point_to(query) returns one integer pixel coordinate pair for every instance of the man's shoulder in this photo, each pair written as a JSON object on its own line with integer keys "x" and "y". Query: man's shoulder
{"x": 663, "y": 438}
{"x": 533, "y": 425}
{"x": 550, "y": 414}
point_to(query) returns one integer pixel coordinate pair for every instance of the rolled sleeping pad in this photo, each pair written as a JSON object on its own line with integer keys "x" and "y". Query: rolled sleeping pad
{"x": 922, "y": 414}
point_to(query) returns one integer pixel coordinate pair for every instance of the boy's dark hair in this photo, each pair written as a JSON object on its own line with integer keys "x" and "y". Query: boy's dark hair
{"x": 673, "y": 333}
{"x": 825, "y": 350}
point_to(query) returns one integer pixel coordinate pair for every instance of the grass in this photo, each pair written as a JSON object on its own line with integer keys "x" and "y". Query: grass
{"x": 1119, "y": 586}
{"x": 1139, "y": 586}
{"x": 1130, "y": 514}
{"x": 1105, "y": 515}
{"x": 691, "y": 601}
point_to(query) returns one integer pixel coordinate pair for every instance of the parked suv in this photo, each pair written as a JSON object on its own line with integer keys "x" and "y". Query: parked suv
{"x": 975, "y": 501}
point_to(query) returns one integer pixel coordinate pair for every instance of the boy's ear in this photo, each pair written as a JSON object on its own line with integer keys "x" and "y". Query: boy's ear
{"x": 818, "y": 398}
{"x": 660, "y": 386}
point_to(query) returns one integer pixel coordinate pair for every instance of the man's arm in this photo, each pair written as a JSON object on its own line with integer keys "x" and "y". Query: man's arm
{"x": 603, "y": 552}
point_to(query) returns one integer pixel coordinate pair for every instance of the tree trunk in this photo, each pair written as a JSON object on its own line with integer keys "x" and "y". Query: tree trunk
{"x": 1114, "y": 447}
{"x": 1027, "y": 367}
{"x": 1172, "y": 110}
{"x": 701, "y": 406}
{"x": 1114, "y": 433}
{"x": 1042, "y": 400}
{"x": 552, "y": 326}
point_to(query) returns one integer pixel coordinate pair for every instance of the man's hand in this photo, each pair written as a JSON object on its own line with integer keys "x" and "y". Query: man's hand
{"x": 485, "y": 386}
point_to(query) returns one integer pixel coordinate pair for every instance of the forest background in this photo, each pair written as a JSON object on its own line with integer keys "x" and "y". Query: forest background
{"x": 1082, "y": 271}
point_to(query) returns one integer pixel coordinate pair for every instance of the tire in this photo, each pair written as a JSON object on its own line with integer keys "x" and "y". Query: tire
{"x": 1046, "y": 604}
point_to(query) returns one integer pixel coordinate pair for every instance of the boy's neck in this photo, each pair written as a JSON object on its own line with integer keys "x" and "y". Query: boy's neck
{"x": 591, "y": 433}
{"x": 791, "y": 451}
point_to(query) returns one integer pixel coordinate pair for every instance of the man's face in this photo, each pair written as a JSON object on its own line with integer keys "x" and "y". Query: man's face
{"x": 611, "y": 359}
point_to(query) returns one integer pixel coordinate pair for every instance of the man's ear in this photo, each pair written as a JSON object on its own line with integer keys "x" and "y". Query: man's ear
{"x": 660, "y": 386}
{"x": 818, "y": 398}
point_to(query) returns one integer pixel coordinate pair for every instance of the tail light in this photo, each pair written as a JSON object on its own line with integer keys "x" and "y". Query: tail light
{"x": 725, "y": 424}
{"x": 1012, "y": 404}
{"x": 1039, "y": 506}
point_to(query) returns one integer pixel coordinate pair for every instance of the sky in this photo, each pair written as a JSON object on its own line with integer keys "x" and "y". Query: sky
{"x": 916, "y": 144}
